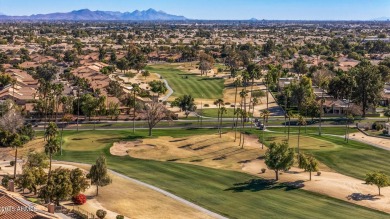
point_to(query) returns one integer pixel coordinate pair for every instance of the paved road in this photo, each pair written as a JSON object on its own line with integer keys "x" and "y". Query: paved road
{"x": 177, "y": 198}
{"x": 170, "y": 90}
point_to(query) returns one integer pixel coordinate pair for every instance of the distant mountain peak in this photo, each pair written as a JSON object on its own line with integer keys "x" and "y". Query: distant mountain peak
{"x": 382, "y": 19}
{"x": 82, "y": 10}
{"x": 86, "y": 14}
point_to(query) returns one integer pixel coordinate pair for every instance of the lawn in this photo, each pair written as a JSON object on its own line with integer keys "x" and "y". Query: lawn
{"x": 233, "y": 194}
{"x": 313, "y": 130}
{"x": 353, "y": 159}
{"x": 184, "y": 83}
{"x": 213, "y": 112}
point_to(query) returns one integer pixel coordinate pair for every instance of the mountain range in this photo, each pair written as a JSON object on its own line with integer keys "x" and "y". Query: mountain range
{"x": 382, "y": 19}
{"x": 88, "y": 15}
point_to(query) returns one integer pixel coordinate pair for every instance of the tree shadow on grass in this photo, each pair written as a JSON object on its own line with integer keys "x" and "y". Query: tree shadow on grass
{"x": 108, "y": 140}
{"x": 361, "y": 197}
{"x": 255, "y": 185}
{"x": 210, "y": 79}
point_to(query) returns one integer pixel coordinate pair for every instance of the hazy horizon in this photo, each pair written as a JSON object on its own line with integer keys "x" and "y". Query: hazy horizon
{"x": 217, "y": 9}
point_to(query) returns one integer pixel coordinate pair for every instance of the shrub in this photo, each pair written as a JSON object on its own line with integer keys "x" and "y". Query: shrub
{"x": 79, "y": 214}
{"x": 385, "y": 132}
{"x": 79, "y": 199}
{"x": 120, "y": 217}
{"x": 318, "y": 173}
{"x": 5, "y": 180}
{"x": 101, "y": 213}
{"x": 206, "y": 105}
{"x": 377, "y": 126}
{"x": 263, "y": 170}
{"x": 12, "y": 163}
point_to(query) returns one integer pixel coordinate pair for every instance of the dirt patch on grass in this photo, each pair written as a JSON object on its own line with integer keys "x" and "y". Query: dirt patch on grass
{"x": 382, "y": 142}
{"x": 133, "y": 201}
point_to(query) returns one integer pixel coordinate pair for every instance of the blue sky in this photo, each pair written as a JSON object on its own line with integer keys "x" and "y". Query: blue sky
{"x": 216, "y": 9}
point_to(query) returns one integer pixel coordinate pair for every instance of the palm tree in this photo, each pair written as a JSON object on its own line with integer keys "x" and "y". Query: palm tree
{"x": 136, "y": 89}
{"x": 287, "y": 96}
{"x": 219, "y": 103}
{"x": 51, "y": 146}
{"x": 57, "y": 91}
{"x": 237, "y": 112}
{"x": 289, "y": 115}
{"x": 266, "y": 81}
{"x": 242, "y": 134}
{"x": 236, "y": 83}
{"x": 264, "y": 114}
{"x": 223, "y": 110}
{"x": 254, "y": 72}
{"x": 243, "y": 95}
{"x": 321, "y": 111}
{"x": 255, "y": 101}
{"x": 301, "y": 121}
{"x": 65, "y": 119}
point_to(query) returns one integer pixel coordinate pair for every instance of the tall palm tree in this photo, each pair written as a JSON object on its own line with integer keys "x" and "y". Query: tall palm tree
{"x": 65, "y": 119}
{"x": 301, "y": 121}
{"x": 237, "y": 83}
{"x": 243, "y": 95}
{"x": 255, "y": 101}
{"x": 219, "y": 103}
{"x": 286, "y": 99}
{"x": 223, "y": 110}
{"x": 289, "y": 115}
{"x": 242, "y": 133}
{"x": 136, "y": 89}
{"x": 320, "y": 115}
{"x": 266, "y": 81}
{"x": 51, "y": 146}
{"x": 237, "y": 113}
{"x": 264, "y": 114}
{"x": 254, "y": 72}
{"x": 57, "y": 92}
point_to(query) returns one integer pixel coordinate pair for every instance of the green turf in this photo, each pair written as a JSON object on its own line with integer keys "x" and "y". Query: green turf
{"x": 233, "y": 194}
{"x": 184, "y": 83}
{"x": 353, "y": 159}
{"x": 313, "y": 130}
{"x": 213, "y": 112}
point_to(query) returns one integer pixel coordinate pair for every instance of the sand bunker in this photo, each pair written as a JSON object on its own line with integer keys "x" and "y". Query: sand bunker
{"x": 123, "y": 148}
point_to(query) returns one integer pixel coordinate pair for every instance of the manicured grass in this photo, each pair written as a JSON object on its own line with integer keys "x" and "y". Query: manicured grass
{"x": 213, "y": 112}
{"x": 234, "y": 194}
{"x": 313, "y": 130}
{"x": 184, "y": 83}
{"x": 353, "y": 159}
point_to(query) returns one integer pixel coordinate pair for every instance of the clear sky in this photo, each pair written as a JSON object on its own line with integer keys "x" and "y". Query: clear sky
{"x": 216, "y": 9}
